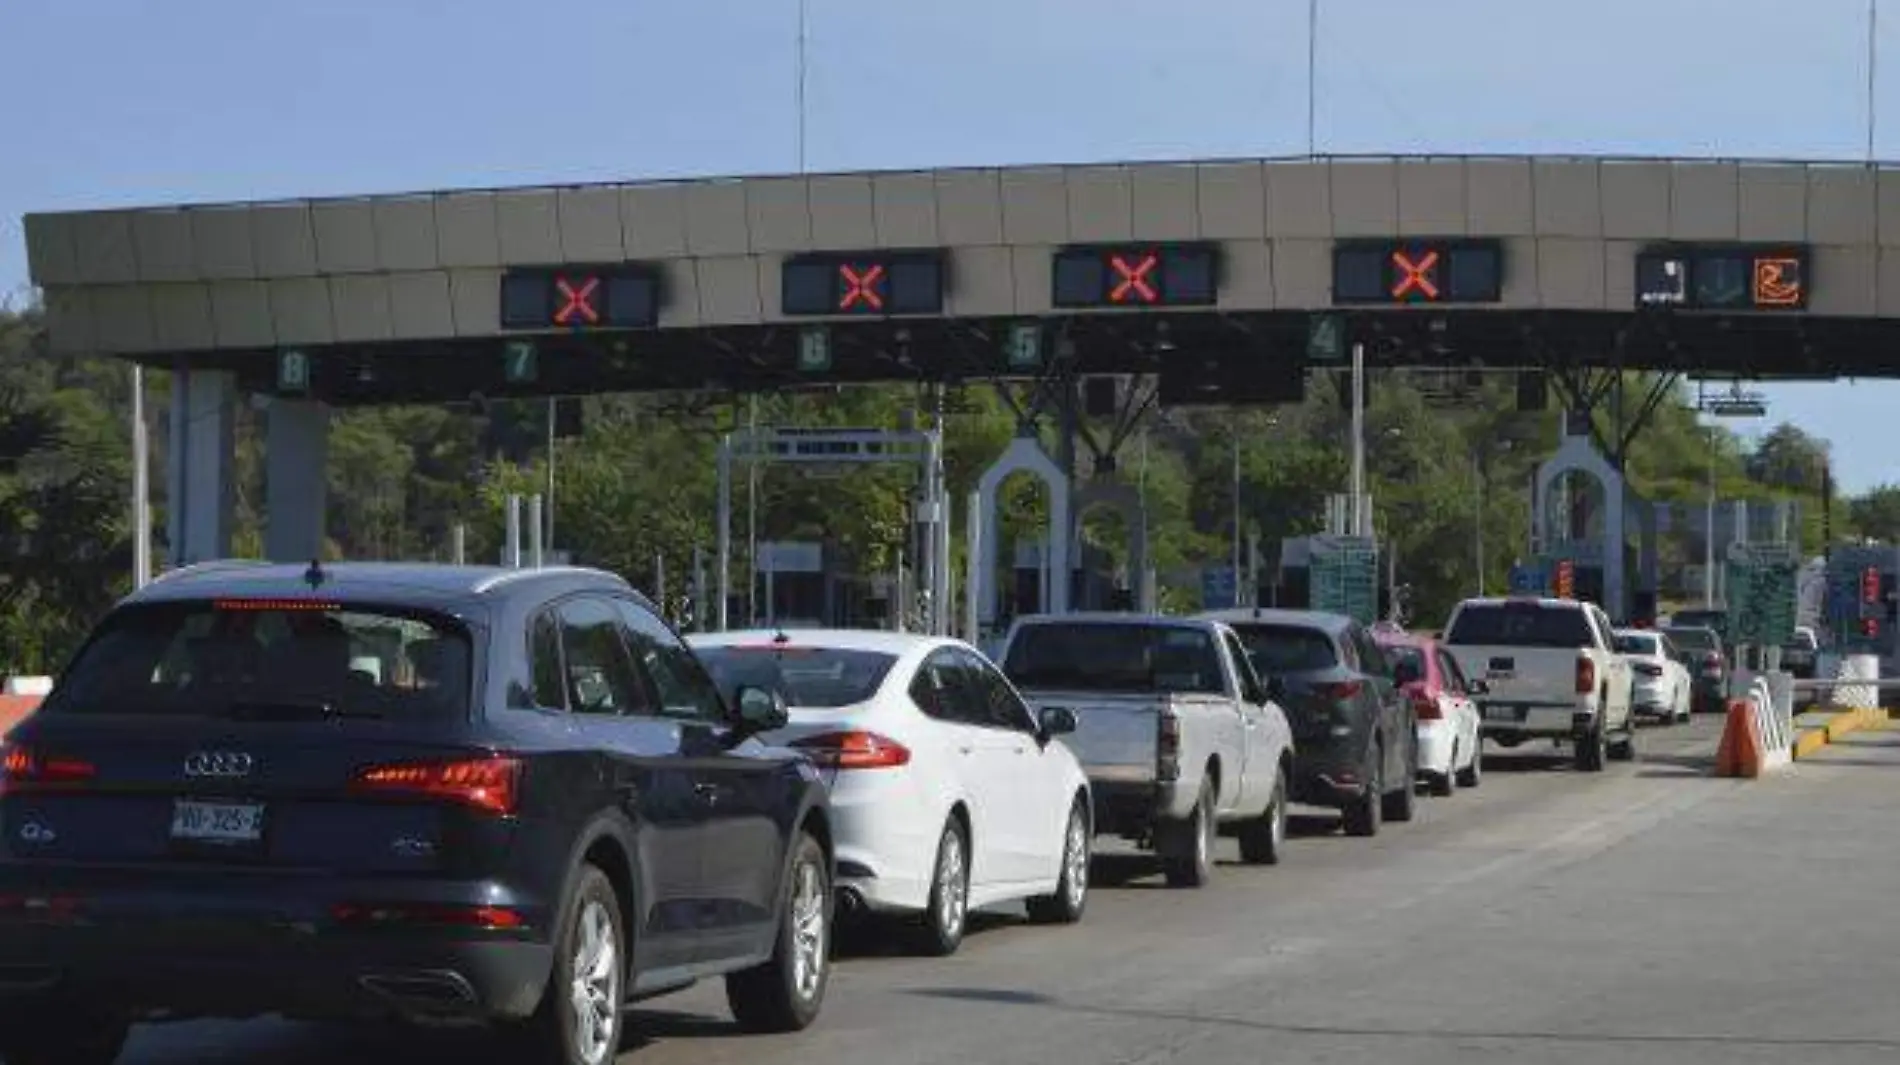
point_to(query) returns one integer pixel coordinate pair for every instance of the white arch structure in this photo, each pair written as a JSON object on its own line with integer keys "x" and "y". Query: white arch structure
{"x": 1024, "y": 454}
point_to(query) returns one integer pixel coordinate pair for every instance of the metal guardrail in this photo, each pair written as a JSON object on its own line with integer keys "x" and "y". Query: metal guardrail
{"x": 1826, "y": 683}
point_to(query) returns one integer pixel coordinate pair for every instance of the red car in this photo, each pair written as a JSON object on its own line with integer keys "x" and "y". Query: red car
{"x": 1449, "y": 744}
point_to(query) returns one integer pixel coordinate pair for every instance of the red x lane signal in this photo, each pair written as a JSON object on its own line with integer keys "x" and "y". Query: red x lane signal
{"x": 861, "y": 287}
{"x": 577, "y": 302}
{"x": 1417, "y": 278}
{"x": 1134, "y": 279}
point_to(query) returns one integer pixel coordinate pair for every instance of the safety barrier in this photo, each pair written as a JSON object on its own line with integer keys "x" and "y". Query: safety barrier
{"x": 14, "y": 708}
{"x": 1758, "y": 737}
{"x": 1852, "y": 696}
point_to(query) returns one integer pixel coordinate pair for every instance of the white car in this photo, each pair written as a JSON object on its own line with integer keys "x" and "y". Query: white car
{"x": 1450, "y": 729}
{"x": 1660, "y": 686}
{"x": 946, "y": 793}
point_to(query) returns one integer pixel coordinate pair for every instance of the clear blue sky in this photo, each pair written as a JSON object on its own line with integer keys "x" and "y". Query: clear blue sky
{"x": 116, "y": 102}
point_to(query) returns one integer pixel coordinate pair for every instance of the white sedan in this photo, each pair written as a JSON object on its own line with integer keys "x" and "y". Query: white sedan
{"x": 1661, "y": 686}
{"x": 946, "y": 792}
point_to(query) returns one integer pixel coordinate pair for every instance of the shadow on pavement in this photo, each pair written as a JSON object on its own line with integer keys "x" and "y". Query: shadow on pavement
{"x": 1447, "y": 1033}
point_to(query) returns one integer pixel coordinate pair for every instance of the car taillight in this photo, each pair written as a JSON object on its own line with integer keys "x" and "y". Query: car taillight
{"x": 1712, "y": 663}
{"x": 1425, "y": 705}
{"x": 853, "y": 750}
{"x": 35, "y": 908}
{"x": 1340, "y": 692}
{"x": 376, "y": 914}
{"x": 1586, "y": 675}
{"x": 1168, "y": 747}
{"x": 1648, "y": 669}
{"x": 491, "y": 785}
{"x": 26, "y": 769}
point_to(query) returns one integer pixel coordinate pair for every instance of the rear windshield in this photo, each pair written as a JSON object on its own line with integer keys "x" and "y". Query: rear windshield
{"x": 1694, "y": 639}
{"x": 1404, "y": 656}
{"x": 1277, "y": 650}
{"x": 1644, "y": 644}
{"x": 270, "y": 658}
{"x": 1115, "y": 658}
{"x": 1519, "y": 625}
{"x": 814, "y": 678}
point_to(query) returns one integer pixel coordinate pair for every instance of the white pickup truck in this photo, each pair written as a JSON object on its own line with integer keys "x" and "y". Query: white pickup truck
{"x": 1175, "y": 730}
{"x": 1550, "y": 669}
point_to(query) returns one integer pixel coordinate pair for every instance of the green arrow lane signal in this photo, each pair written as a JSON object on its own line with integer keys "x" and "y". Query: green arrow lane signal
{"x": 1325, "y": 338}
{"x": 1025, "y": 346}
{"x": 814, "y": 350}
{"x": 293, "y": 371}
{"x": 518, "y": 362}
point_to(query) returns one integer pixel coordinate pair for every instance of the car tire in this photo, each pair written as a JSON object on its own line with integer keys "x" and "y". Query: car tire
{"x": 580, "y": 1019}
{"x": 56, "y": 1037}
{"x": 1401, "y": 804}
{"x": 1263, "y": 840}
{"x": 1590, "y": 751}
{"x": 1072, "y": 888}
{"x": 786, "y": 993}
{"x": 1196, "y": 836}
{"x": 1363, "y": 814}
{"x": 1473, "y": 775}
{"x": 947, "y": 913}
{"x": 1624, "y": 749}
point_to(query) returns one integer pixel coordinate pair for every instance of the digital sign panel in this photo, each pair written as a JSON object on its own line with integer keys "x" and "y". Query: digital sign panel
{"x": 626, "y": 296}
{"x": 1418, "y": 271}
{"x": 868, "y": 283}
{"x": 1723, "y": 277}
{"x": 1139, "y": 275}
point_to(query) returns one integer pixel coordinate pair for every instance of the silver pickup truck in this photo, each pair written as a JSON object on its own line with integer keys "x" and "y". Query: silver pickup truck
{"x": 1176, "y": 732}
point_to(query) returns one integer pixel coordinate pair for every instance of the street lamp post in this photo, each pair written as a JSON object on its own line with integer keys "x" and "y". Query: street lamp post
{"x": 1477, "y": 518}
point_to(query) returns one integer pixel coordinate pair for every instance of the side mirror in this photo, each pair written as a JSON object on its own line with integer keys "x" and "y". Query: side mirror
{"x": 761, "y": 709}
{"x": 1057, "y": 721}
{"x": 1477, "y": 686}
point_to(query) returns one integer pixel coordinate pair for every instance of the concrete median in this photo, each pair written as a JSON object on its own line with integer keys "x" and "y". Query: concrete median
{"x": 1815, "y": 729}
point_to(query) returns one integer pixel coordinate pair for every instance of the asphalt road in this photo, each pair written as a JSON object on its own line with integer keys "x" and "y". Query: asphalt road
{"x": 1651, "y": 915}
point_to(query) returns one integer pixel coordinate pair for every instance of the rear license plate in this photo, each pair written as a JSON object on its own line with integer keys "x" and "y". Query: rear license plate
{"x": 217, "y": 822}
{"x": 1500, "y": 713}
{"x": 1500, "y": 674}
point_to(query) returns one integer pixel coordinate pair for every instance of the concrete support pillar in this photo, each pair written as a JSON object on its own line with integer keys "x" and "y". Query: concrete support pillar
{"x": 296, "y": 461}
{"x": 198, "y": 465}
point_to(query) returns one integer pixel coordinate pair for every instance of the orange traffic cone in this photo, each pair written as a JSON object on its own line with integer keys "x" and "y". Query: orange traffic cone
{"x": 1740, "y": 752}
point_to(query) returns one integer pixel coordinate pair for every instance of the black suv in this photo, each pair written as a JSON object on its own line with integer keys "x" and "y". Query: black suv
{"x": 430, "y": 793}
{"x": 1355, "y": 734}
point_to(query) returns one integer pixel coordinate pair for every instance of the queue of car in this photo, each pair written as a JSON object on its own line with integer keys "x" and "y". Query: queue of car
{"x": 518, "y": 799}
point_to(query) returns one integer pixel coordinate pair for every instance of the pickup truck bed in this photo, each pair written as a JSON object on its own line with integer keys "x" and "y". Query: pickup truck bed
{"x": 1173, "y": 729}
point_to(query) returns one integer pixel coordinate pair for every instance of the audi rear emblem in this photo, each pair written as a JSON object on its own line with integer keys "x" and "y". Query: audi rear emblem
{"x": 218, "y": 764}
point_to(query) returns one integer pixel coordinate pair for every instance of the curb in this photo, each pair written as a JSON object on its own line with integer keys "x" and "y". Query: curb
{"x": 1817, "y": 730}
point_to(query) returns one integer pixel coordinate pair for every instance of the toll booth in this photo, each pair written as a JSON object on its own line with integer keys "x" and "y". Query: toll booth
{"x": 1096, "y": 583}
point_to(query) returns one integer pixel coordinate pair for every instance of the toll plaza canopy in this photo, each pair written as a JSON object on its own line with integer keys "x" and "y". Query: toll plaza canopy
{"x": 1765, "y": 268}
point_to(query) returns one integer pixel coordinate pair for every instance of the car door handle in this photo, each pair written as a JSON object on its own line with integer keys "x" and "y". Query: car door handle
{"x": 965, "y": 749}
{"x": 710, "y": 792}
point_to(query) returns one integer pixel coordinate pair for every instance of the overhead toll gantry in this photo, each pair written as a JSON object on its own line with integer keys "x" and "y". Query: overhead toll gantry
{"x": 1222, "y": 281}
